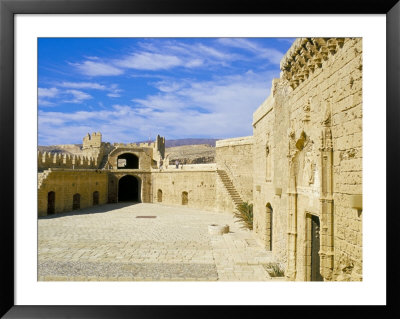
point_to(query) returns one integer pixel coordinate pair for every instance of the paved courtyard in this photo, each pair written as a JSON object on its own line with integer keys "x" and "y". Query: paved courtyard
{"x": 147, "y": 242}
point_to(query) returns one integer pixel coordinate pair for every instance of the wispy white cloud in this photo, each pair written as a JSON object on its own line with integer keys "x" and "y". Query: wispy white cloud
{"x": 149, "y": 61}
{"x": 163, "y": 56}
{"x": 168, "y": 85}
{"x": 44, "y": 94}
{"x": 92, "y": 68}
{"x": 77, "y": 96}
{"x": 271, "y": 54}
{"x": 113, "y": 95}
{"x": 220, "y": 108}
{"x": 51, "y": 92}
{"x": 83, "y": 85}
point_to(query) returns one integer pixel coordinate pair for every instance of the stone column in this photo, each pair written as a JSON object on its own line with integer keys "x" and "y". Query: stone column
{"x": 292, "y": 225}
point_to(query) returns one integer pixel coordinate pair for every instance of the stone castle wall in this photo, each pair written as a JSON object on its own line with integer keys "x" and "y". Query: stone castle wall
{"x": 270, "y": 172}
{"x": 66, "y": 183}
{"x": 48, "y": 160}
{"x": 313, "y": 124}
{"x": 200, "y": 186}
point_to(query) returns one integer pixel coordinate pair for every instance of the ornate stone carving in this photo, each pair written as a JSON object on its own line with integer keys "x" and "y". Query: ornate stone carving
{"x": 306, "y": 110}
{"x": 309, "y": 169}
{"x": 306, "y": 55}
{"x": 326, "y": 120}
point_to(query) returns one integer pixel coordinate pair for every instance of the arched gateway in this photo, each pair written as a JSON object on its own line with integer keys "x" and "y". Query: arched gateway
{"x": 129, "y": 189}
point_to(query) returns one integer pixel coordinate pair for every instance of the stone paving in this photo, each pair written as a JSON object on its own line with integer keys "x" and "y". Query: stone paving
{"x": 115, "y": 242}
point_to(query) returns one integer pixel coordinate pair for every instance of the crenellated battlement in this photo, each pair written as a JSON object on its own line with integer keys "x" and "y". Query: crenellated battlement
{"x": 131, "y": 145}
{"x": 305, "y": 56}
{"x": 56, "y": 160}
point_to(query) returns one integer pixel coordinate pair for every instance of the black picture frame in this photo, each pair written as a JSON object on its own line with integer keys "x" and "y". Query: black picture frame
{"x": 8, "y": 8}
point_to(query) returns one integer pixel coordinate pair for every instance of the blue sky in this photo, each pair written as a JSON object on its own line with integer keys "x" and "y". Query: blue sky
{"x": 131, "y": 89}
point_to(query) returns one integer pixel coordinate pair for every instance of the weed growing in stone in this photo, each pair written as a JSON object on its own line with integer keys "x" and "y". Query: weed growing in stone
{"x": 275, "y": 269}
{"x": 244, "y": 214}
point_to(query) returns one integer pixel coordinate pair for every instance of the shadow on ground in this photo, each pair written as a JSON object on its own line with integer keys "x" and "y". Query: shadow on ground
{"x": 99, "y": 209}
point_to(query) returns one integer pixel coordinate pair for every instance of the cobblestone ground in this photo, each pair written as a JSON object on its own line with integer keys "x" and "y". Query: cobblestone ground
{"x": 116, "y": 242}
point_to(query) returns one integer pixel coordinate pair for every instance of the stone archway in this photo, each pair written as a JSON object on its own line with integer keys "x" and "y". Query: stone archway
{"x": 159, "y": 196}
{"x": 185, "y": 198}
{"x": 129, "y": 189}
{"x": 127, "y": 161}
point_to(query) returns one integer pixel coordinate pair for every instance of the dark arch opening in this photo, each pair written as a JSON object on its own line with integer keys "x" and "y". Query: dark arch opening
{"x": 159, "y": 195}
{"x": 76, "y": 201}
{"x": 96, "y": 198}
{"x": 129, "y": 189}
{"x": 51, "y": 203}
{"x": 269, "y": 216}
{"x": 127, "y": 161}
{"x": 185, "y": 198}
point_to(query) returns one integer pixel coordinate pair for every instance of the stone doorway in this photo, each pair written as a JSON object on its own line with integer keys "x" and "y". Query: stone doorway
{"x": 159, "y": 196}
{"x": 95, "y": 198}
{"x": 315, "y": 246}
{"x": 51, "y": 203}
{"x": 269, "y": 215}
{"x": 185, "y": 198}
{"x": 76, "y": 202}
{"x": 129, "y": 189}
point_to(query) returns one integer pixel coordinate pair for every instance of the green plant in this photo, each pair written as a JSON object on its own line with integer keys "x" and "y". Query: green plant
{"x": 244, "y": 214}
{"x": 275, "y": 269}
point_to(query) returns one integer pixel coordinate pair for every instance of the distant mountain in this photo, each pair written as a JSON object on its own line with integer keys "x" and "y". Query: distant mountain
{"x": 62, "y": 149}
{"x": 191, "y": 141}
{"x": 191, "y": 154}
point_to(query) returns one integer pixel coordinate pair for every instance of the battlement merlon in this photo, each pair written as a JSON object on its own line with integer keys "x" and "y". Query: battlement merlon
{"x": 159, "y": 146}
{"x": 92, "y": 141}
{"x": 305, "y": 55}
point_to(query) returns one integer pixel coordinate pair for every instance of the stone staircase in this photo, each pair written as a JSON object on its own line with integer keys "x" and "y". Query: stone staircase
{"x": 42, "y": 177}
{"x": 104, "y": 161}
{"x": 233, "y": 193}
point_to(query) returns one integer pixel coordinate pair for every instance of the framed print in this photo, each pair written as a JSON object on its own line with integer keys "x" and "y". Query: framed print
{"x": 286, "y": 103}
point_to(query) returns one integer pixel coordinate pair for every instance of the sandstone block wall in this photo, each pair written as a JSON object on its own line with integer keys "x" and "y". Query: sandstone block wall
{"x": 66, "y": 183}
{"x": 199, "y": 185}
{"x": 270, "y": 172}
{"x": 311, "y": 125}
